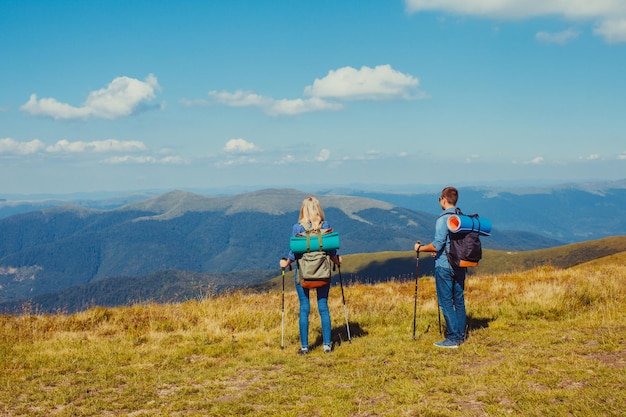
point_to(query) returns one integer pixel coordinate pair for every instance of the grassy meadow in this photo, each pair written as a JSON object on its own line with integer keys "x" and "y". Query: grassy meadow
{"x": 548, "y": 341}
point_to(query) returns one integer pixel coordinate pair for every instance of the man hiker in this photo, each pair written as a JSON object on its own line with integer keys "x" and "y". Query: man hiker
{"x": 449, "y": 280}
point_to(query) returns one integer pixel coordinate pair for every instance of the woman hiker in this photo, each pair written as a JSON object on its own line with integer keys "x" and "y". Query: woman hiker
{"x": 311, "y": 218}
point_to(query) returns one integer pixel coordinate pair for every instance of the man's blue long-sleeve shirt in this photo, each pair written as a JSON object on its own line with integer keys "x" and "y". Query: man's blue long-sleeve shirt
{"x": 441, "y": 242}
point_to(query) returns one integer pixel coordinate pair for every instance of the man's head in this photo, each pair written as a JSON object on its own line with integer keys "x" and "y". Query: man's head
{"x": 448, "y": 198}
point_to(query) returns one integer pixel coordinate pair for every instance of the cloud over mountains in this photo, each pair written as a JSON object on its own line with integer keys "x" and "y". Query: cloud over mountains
{"x": 122, "y": 97}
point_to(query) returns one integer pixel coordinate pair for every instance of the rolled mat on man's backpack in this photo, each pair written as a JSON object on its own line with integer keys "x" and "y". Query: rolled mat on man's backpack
{"x": 460, "y": 223}
{"x": 298, "y": 244}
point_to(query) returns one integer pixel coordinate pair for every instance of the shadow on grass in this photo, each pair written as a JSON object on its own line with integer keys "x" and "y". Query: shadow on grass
{"x": 339, "y": 335}
{"x": 472, "y": 324}
{"x": 392, "y": 269}
{"x": 477, "y": 323}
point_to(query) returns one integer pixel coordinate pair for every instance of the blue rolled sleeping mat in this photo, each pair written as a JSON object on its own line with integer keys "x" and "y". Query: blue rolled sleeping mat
{"x": 304, "y": 242}
{"x": 460, "y": 223}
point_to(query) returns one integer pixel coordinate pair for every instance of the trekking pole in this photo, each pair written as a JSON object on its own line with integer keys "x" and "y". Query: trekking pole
{"x": 417, "y": 264}
{"x": 439, "y": 312}
{"x": 345, "y": 309}
{"x": 282, "y": 324}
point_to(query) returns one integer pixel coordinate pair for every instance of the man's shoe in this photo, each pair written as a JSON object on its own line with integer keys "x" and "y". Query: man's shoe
{"x": 328, "y": 348}
{"x": 448, "y": 344}
{"x": 303, "y": 351}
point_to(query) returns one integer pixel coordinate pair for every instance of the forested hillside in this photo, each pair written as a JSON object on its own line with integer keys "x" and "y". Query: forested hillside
{"x": 51, "y": 250}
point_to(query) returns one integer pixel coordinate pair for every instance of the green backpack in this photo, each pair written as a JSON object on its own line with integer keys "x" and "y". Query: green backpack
{"x": 315, "y": 265}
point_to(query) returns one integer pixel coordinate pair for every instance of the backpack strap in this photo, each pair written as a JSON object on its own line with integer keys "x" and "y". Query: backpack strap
{"x": 308, "y": 233}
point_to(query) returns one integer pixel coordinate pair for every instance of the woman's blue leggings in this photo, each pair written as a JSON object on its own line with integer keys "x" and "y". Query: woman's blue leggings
{"x": 305, "y": 309}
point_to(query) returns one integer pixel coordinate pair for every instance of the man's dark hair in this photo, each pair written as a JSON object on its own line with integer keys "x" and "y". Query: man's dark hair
{"x": 451, "y": 194}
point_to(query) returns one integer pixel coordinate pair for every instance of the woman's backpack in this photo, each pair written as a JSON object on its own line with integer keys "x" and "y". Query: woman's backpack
{"x": 315, "y": 265}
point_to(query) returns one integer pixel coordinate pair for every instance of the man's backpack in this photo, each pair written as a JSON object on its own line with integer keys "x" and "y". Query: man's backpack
{"x": 315, "y": 265}
{"x": 465, "y": 246}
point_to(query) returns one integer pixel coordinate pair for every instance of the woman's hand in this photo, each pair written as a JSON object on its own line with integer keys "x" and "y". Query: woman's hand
{"x": 284, "y": 263}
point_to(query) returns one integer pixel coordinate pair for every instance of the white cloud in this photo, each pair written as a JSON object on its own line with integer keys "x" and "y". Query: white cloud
{"x": 122, "y": 97}
{"x": 241, "y": 160}
{"x": 376, "y": 155}
{"x": 560, "y": 38}
{"x": 298, "y": 106}
{"x": 323, "y": 155}
{"x": 270, "y": 105}
{"x": 240, "y": 99}
{"x": 109, "y": 145}
{"x": 613, "y": 30}
{"x": 380, "y": 82}
{"x": 593, "y": 157}
{"x": 622, "y": 156}
{"x": 287, "y": 159}
{"x": 11, "y": 146}
{"x": 535, "y": 161}
{"x": 81, "y": 149}
{"x": 347, "y": 83}
{"x": 146, "y": 159}
{"x": 240, "y": 146}
{"x": 610, "y": 15}
{"x": 369, "y": 155}
{"x": 173, "y": 159}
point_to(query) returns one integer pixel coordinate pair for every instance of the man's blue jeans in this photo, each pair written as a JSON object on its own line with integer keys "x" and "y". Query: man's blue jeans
{"x": 450, "y": 285}
{"x": 305, "y": 309}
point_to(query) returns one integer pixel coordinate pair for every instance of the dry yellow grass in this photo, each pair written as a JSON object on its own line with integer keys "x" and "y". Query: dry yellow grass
{"x": 542, "y": 342}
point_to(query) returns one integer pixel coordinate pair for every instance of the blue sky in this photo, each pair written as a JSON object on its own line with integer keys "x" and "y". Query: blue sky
{"x": 158, "y": 95}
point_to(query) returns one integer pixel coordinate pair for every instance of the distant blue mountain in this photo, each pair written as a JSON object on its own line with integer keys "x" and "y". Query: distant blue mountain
{"x": 51, "y": 249}
{"x": 568, "y": 213}
{"x": 54, "y": 252}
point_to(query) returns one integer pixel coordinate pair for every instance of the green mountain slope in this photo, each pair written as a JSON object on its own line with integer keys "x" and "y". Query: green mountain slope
{"x": 387, "y": 266}
{"x": 366, "y": 268}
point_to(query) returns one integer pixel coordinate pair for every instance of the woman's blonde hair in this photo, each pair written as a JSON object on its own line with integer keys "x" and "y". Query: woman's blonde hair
{"x": 311, "y": 214}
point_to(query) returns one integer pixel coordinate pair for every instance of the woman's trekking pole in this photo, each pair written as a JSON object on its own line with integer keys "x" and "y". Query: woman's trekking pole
{"x": 345, "y": 309}
{"x": 282, "y": 324}
{"x": 417, "y": 264}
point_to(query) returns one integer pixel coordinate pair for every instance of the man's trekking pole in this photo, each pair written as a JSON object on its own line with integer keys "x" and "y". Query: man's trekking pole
{"x": 417, "y": 264}
{"x": 439, "y": 312}
{"x": 345, "y": 309}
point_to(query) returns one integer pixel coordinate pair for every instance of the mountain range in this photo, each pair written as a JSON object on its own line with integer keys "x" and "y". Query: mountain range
{"x": 568, "y": 213}
{"x": 235, "y": 241}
